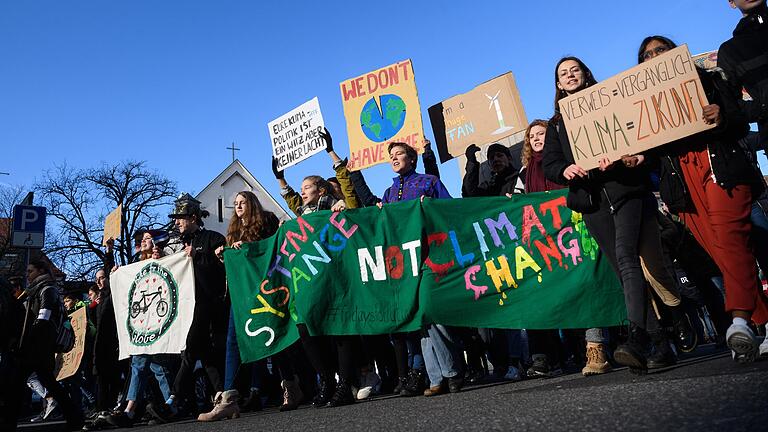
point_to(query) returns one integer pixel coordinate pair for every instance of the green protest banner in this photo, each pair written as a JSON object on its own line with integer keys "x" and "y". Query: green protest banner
{"x": 525, "y": 262}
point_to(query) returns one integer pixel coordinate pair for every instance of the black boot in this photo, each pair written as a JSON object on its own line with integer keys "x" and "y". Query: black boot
{"x": 342, "y": 395}
{"x": 684, "y": 336}
{"x": 632, "y": 352}
{"x": 324, "y": 394}
{"x": 401, "y": 383}
{"x": 663, "y": 355}
{"x": 415, "y": 384}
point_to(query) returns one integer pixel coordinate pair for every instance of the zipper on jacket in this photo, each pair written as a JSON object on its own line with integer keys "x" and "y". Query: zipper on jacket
{"x": 676, "y": 173}
{"x": 610, "y": 204}
{"x": 711, "y": 167}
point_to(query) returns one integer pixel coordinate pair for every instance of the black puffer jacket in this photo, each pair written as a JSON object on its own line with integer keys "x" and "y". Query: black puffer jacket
{"x": 744, "y": 58}
{"x": 615, "y": 185}
{"x": 732, "y": 164}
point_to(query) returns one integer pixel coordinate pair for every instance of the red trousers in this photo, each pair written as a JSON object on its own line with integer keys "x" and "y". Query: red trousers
{"x": 721, "y": 223}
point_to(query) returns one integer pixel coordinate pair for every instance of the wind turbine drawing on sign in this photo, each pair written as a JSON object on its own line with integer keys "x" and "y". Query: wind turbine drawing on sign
{"x": 495, "y": 103}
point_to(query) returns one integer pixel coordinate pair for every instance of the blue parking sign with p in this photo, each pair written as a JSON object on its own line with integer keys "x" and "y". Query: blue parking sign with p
{"x": 28, "y": 226}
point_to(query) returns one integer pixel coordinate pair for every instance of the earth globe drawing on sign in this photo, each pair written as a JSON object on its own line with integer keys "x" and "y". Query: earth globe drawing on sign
{"x": 379, "y": 125}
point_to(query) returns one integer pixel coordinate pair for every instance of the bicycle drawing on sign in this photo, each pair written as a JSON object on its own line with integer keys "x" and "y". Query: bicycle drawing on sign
{"x": 142, "y": 305}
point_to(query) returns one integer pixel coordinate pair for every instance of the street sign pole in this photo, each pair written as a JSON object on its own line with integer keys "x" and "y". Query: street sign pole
{"x": 28, "y": 230}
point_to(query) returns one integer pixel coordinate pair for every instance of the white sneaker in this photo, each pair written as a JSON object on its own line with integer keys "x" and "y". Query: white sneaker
{"x": 50, "y": 410}
{"x": 369, "y": 385}
{"x": 513, "y": 374}
{"x": 764, "y": 347}
{"x": 742, "y": 341}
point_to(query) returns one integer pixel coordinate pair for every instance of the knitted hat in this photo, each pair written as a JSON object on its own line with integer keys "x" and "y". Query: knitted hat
{"x": 497, "y": 148}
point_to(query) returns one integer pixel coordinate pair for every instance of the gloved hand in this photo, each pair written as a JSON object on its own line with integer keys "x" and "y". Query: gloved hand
{"x": 326, "y": 136}
{"x": 471, "y": 153}
{"x": 278, "y": 173}
{"x": 428, "y": 153}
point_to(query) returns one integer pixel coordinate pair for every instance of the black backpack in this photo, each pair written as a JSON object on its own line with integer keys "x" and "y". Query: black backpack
{"x": 65, "y": 336}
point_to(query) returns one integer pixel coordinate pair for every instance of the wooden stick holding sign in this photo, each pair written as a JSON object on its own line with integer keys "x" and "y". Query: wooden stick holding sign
{"x": 651, "y": 104}
{"x": 112, "y": 224}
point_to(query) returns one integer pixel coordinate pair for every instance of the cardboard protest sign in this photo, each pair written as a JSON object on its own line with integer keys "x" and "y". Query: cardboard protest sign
{"x": 112, "y": 224}
{"x": 380, "y": 107}
{"x": 486, "y": 114}
{"x": 651, "y": 104}
{"x": 708, "y": 61}
{"x": 295, "y": 135}
{"x": 68, "y": 363}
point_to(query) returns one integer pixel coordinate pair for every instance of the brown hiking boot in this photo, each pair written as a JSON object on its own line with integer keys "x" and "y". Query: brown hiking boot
{"x": 224, "y": 406}
{"x": 597, "y": 363}
{"x": 292, "y": 395}
{"x": 435, "y": 390}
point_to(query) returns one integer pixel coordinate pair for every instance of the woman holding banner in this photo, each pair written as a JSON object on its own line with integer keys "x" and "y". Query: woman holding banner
{"x": 249, "y": 223}
{"x": 442, "y": 356}
{"x": 709, "y": 181}
{"x": 619, "y": 212}
{"x": 160, "y": 365}
{"x": 316, "y": 194}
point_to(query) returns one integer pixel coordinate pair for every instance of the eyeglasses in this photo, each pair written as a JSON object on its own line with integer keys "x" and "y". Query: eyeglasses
{"x": 654, "y": 52}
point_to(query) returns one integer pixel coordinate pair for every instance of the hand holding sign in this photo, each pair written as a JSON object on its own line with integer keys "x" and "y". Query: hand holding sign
{"x": 279, "y": 174}
{"x": 326, "y": 136}
{"x": 712, "y": 114}
{"x": 573, "y": 171}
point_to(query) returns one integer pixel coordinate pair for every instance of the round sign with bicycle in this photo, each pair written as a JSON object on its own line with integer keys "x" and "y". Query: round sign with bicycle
{"x": 153, "y": 302}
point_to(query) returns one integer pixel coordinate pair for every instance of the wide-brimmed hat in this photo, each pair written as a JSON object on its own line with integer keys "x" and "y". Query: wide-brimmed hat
{"x": 185, "y": 206}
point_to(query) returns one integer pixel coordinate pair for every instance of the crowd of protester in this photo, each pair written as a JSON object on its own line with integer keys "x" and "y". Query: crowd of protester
{"x": 678, "y": 225}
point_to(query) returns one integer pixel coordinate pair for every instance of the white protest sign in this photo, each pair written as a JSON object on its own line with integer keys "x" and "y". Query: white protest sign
{"x": 651, "y": 104}
{"x": 295, "y": 135}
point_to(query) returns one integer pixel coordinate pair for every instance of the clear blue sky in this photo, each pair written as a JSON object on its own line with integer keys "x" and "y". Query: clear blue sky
{"x": 175, "y": 82}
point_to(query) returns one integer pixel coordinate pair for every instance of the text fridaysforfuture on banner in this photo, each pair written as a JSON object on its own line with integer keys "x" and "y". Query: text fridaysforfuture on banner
{"x": 380, "y": 107}
{"x": 525, "y": 262}
{"x": 295, "y": 135}
{"x": 651, "y": 104}
{"x": 488, "y": 113}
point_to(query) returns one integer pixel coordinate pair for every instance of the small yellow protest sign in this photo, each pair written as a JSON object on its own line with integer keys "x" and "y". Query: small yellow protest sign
{"x": 112, "y": 224}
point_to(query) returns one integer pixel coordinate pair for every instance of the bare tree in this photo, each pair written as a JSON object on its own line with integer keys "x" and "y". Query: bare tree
{"x": 79, "y": 200}
{"x": 9, "y": 196}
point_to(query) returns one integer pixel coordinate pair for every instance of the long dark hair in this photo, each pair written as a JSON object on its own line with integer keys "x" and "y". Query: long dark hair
{"x": 254, "y": 223}
{"x": 663, "y": 39}
{"x": 589, "y": 80}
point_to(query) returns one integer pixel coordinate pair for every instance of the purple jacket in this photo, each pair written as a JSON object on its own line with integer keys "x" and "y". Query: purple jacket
{"x": 414, "y": 185}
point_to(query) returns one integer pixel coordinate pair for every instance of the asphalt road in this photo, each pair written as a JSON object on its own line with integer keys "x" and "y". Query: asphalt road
{"x": 707, "y": 391}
